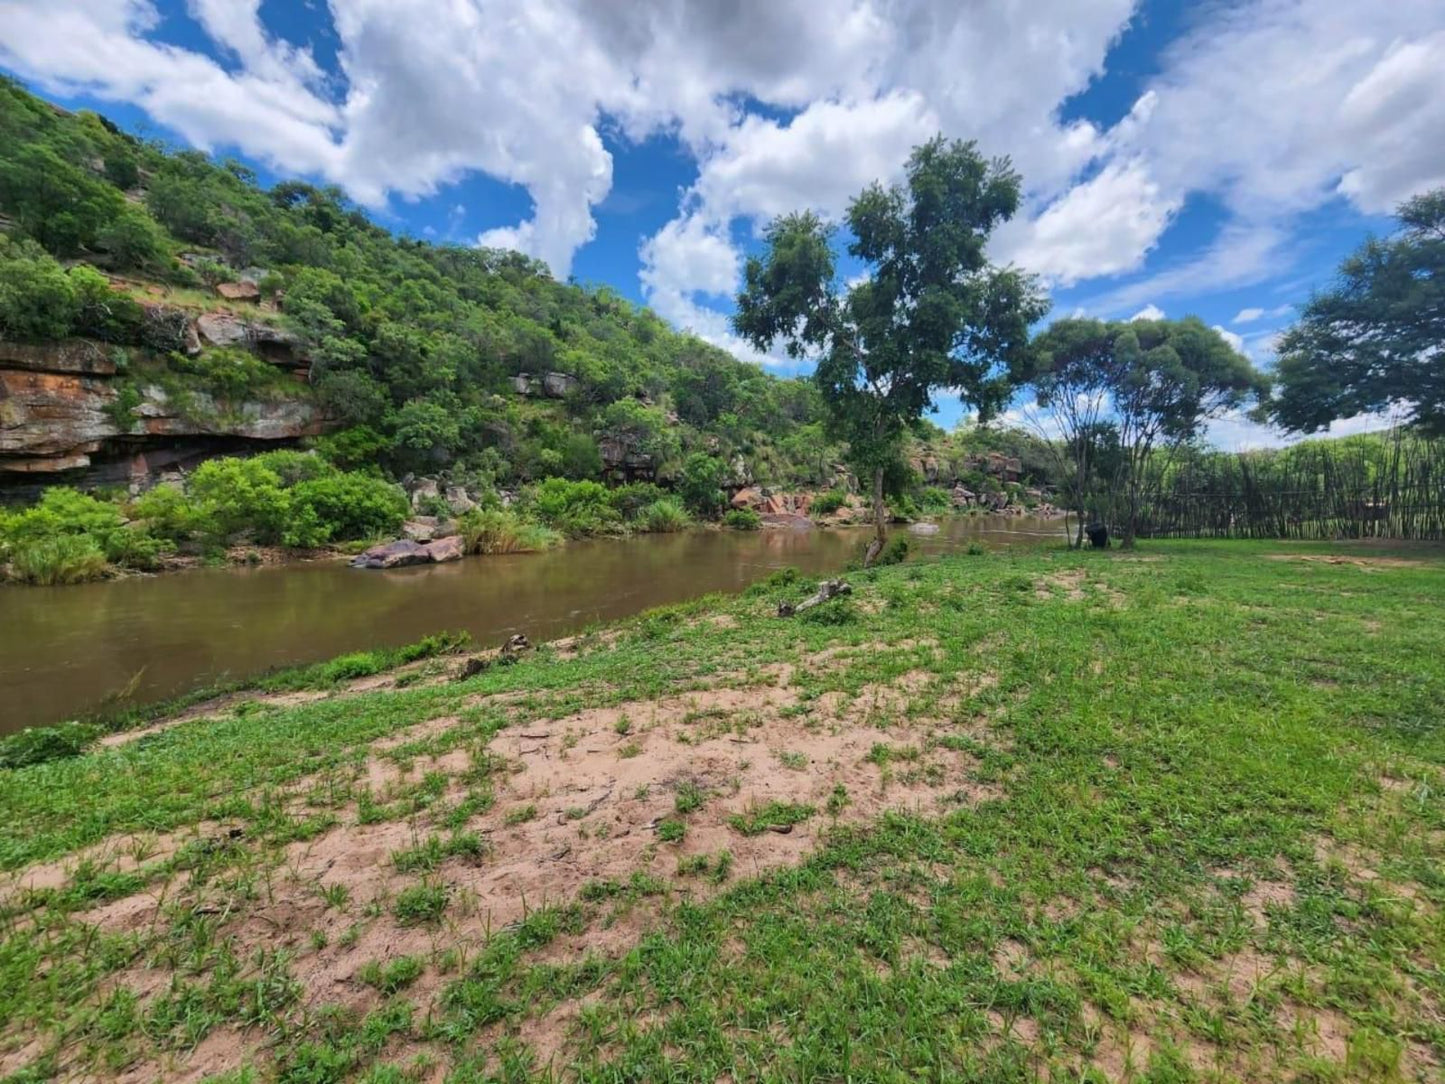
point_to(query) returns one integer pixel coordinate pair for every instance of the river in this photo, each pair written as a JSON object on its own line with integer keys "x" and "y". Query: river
{"x": 67, "y": 651}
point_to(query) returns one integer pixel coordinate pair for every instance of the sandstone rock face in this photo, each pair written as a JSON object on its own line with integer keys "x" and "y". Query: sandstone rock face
{"x": 59, "y": 407}
{"x": 420, "y": 529}
{"x": 426, "y": 490}
{"x": 66, "y": 356}
{"x": 459, "y": 500}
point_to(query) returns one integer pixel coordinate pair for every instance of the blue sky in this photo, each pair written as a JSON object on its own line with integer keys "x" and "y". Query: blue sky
{"x": 1214, "y": 158}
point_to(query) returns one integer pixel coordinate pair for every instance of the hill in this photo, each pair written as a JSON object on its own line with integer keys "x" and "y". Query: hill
{"x": 157, "y": 307}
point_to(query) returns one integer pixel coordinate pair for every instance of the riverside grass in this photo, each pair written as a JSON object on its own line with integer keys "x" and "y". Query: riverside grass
{"x": 1206, "y": 842}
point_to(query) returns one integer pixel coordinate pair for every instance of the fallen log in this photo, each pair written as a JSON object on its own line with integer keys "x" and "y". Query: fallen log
{"x": 826, "y": 590}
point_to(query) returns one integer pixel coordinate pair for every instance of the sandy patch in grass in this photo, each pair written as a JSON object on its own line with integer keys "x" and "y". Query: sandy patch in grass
{"x": 1367, "y": 564}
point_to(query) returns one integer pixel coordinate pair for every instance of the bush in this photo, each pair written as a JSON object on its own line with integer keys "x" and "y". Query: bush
{"x": 632, "y": 498}
{"x": 935, "y": 499}
{"x": 742, "y": 519}
{"x": 497, "y": 530}
{"x": 348, "y": 506}
{"x": 60, "y": 559}
{"x": 825, "y": 504}
{"x": 664, "y": 516}
{"x": 237, "y": 495}
{"x": 37, "y": 300}
{"x": 169, "y": 513}
{"x": 37, "y": 745}
{"x": 701, "y": 484}
{"x": 577, "y": 509}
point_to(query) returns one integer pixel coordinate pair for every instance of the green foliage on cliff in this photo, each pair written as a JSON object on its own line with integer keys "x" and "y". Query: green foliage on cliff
{"x": 421, "y": 345}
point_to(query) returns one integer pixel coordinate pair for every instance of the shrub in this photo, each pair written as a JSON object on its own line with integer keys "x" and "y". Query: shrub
{"x": 498, "y": 530}
{"x": 742, "y": 519}
{"x": 935, "y": 499}
{"x": 358, "y": 446}
{"x": 60, "y": 559}
{"x": 169, "y": 513}
{"x": 664, "y": 516}
{"x": 37, "y": 300}
{"x": 36, "y": 745}
{"x": 348, "y": 505}
{"x": 238, "y": 495}
{"x": 701, "y": 484}
{"x": 577, "y": 509}
{"x": 632, "y": 498}
{"x": 825, "y": 504}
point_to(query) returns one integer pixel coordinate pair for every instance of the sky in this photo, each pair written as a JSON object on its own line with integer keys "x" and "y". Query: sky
{"x": 1214, "y": 158}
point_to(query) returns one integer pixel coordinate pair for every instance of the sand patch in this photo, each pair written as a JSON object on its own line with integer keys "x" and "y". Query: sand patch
{"x": 1367, "y": 564}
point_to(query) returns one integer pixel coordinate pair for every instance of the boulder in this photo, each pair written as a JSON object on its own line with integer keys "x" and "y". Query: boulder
{"x": 420, "y": 529}
{"x": 221, "y": 329}
{"x": 397, "y": 554}
{"x": 445, "y": 549}
{"x": 558, "y": 385}
{"x": 526, "y": 384}
{"x": 423, "y": 491}
{"x": 239, "y": 291}
{"x": 458, "y": 499}
{"x": 750, "y": 497}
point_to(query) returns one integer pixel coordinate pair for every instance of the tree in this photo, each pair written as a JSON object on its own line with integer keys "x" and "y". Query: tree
{"x": 932, "y": 312}
{"x": 1150, "y": 384}
{"x": 1375, "y": 339}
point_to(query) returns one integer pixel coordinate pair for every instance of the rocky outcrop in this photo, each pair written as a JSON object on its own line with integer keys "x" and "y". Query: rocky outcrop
{"x": 405, "y": 552}
{"x": 623, "y": 460}
{"x": 80, "y": 356}
{"x": 550, "y": 385}
{"x": 67, "y": 407}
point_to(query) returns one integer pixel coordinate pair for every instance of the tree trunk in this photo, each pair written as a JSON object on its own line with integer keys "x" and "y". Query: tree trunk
{"x": 879, "y": 516}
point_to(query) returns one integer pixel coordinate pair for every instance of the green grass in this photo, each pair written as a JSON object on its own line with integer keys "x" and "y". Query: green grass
{"x": 1204, "y": 842}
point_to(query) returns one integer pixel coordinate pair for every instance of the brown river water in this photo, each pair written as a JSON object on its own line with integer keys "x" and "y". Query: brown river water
{"x": 68, "y": 651}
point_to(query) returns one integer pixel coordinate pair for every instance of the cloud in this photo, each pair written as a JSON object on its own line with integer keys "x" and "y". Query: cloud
{"x": 799, "y": 103}
{"x": 1104, "y": 226}
{"x": 1233, "y": 339}
{"x": 1148, "y": 312}
{"x": 1250, "y": 315}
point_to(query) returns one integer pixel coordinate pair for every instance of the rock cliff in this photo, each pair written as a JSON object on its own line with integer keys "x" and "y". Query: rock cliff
{"x": 68, "y": 414}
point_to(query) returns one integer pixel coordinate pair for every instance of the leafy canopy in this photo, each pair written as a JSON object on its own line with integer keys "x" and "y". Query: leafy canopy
{"x": 1136, "y": 385}
{"x": 1375, "y": 339}
{"x": 932, "y": 312}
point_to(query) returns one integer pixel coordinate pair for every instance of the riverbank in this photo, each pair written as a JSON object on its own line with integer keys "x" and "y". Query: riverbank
{"x": 1030, "y": 813}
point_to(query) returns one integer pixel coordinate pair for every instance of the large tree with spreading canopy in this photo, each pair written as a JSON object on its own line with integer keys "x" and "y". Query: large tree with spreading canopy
{"x": 928, "y": 312}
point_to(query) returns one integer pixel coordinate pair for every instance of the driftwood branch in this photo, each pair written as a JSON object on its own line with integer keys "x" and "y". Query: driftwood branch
{"x": 826, "y": 590}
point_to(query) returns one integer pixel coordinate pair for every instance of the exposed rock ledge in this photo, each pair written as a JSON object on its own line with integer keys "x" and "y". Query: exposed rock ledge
{"x": 59, "y": 413}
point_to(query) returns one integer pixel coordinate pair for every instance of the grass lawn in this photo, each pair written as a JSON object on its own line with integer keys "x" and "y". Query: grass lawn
{"x": 1169, "y": 816}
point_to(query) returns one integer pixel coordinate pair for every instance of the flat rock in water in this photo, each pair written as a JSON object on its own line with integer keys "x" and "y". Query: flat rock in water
{"x": 923, "y": 528}
{"x": 788, "y": 521}
{"x": 397, "y": 554}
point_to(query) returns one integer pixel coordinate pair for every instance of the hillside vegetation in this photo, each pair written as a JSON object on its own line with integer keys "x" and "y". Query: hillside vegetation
{"x": 415, "y": 350}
